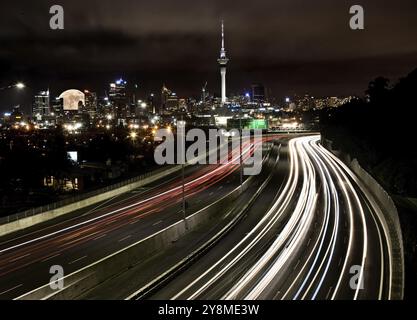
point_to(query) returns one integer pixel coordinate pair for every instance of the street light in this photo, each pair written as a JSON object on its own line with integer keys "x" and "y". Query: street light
{"x": 19, "y": 85}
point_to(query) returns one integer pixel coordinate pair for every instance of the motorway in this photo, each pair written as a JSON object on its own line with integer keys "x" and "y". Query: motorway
{"x": 298, "y": 241}
{"x": 93, "y": 233}
{"x": 311, "y": 230}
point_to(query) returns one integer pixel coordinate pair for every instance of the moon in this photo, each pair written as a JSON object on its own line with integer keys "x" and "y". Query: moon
{"x": 72, "y": 99}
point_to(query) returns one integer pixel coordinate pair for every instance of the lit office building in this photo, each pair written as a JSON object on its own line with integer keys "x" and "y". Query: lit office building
{"x": 57, "y": 106}
{"x": 41, "y": 106}
{"x": 90, "y": 103}
{"x": 169, "y": 101}
{"x": 118, "y": 99}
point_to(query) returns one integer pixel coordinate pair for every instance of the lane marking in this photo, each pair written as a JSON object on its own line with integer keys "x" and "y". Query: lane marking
{"x": 328, "y": 293}
{"x": 139, "y": 191}
{"x": 51, "y": 257}
{"x": 79, "y": 259}
{"x": 125, "y": 238}
{"x": 18, "y": 258}
{"x": 298, "y": 262}
{"x": 99, "y": 237}
{"x": 100, "y": 206}
{"x": 18, "y": 286}
{"x": 160, "y": 221}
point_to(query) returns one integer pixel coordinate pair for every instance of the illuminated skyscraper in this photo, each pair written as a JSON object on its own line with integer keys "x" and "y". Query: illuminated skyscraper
{"x": 118, "y": 99}
{"x": 223, "y": 60}
{"x": 151, "y": 103}
{"x": 57, "y": 106}
{"x": 169, "y": 101}
{"x": 41, "y": 105}
{"x": 90, "y": 103}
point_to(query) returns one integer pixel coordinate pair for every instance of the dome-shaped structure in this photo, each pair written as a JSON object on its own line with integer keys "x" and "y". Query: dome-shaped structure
{"x": 72, "y": 99}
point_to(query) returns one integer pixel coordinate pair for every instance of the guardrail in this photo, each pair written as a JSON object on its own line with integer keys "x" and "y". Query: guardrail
{"x": 77, "y": 198}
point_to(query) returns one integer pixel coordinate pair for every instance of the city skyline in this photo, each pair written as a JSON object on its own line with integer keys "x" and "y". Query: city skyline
{"x": 93, "y": 49}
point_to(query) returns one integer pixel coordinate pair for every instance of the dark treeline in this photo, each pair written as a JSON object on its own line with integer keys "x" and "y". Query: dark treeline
{"x": 380, "y": 131}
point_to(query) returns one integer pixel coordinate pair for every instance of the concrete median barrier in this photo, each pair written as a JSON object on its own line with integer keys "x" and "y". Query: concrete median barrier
{"x": 30, "y": 221}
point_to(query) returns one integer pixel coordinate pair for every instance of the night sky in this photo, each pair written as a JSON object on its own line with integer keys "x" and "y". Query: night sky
{"x": 291, "y": 46}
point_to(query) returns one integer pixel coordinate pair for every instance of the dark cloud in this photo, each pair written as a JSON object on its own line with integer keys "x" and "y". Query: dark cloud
{"x": 290, "y": 45}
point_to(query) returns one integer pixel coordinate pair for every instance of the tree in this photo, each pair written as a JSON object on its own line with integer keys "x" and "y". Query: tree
{"x": 378, "y": 90}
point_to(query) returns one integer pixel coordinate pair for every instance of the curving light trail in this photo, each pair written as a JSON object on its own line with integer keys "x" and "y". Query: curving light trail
{"x": 323, "y": 203}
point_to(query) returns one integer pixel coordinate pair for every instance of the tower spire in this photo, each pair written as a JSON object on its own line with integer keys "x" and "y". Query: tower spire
{"x": 222, "y": 34}
{"x": 223, "y": 60}
{"x": 222, "y": 50}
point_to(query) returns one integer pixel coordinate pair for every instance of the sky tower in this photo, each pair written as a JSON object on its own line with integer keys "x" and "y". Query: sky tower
{"x": 223, "y": 62}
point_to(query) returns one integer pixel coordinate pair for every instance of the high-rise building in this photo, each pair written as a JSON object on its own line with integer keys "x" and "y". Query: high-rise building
{"x": 223, "y": 60}
{"x": 57, "y": 106}
{"x": 41, "y": 107}
{"x": 204, "y": 93}
{"x": 118, "y": 98}
{"x": 169, "y": 101}
{"x": 90, "y": 103}
{"x": 151, "y": 103}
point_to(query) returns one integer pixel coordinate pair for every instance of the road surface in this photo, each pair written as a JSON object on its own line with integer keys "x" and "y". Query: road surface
{"x": 313, "y": 234}
{"x": 81, "y": 238}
